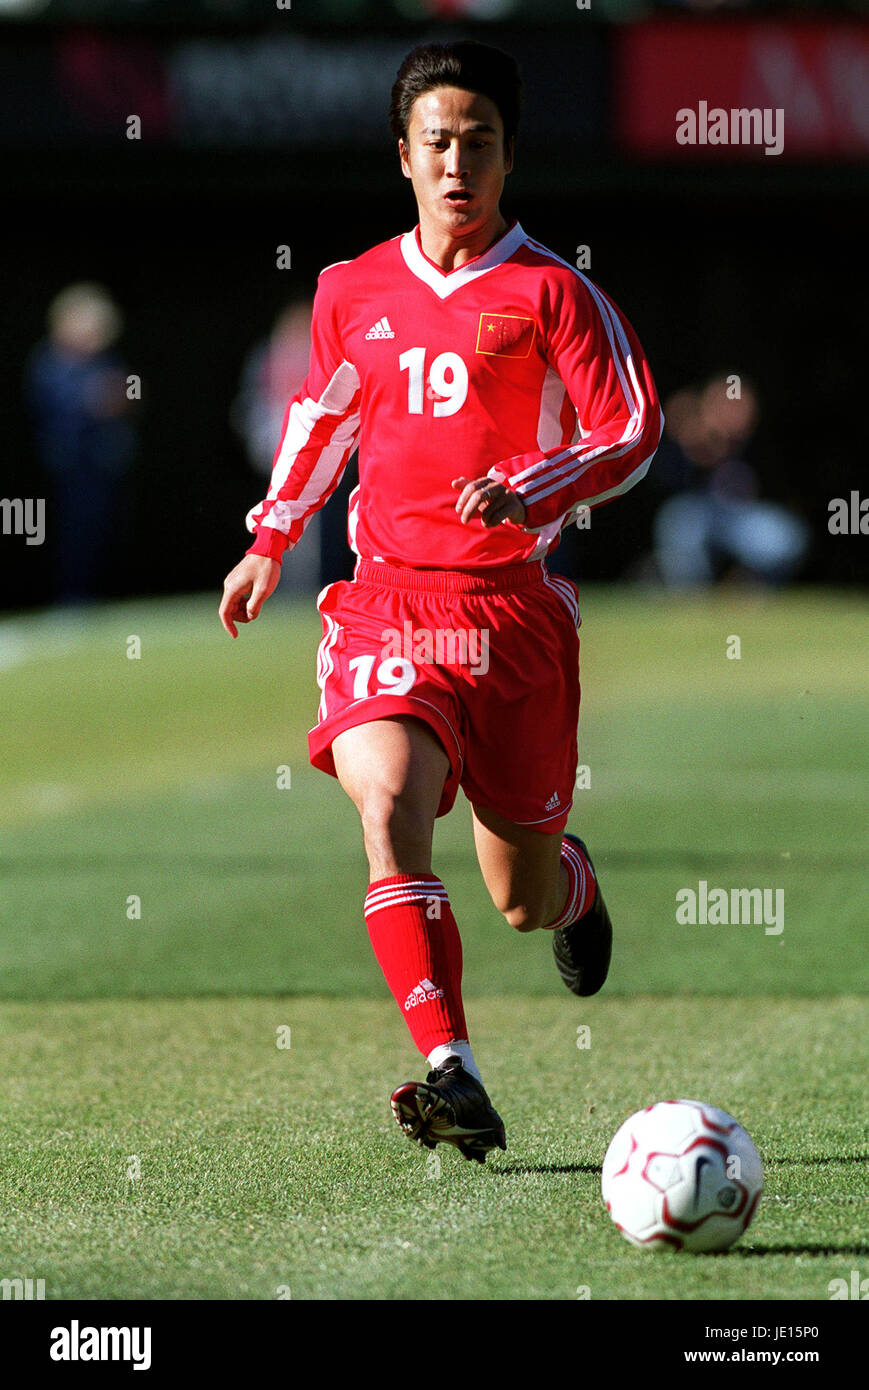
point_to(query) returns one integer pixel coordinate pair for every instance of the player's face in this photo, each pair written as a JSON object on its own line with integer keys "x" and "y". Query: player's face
{"x": 454, "y": 155}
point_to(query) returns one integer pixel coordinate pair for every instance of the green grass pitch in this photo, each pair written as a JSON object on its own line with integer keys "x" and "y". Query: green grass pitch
{"x": 168, "y": 912}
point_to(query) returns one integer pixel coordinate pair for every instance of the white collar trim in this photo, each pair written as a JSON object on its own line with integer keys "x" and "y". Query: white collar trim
{"x": 444, "y": 283}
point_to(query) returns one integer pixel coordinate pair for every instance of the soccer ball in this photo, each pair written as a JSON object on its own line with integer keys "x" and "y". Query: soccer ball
{"x": 681, "y": 1175}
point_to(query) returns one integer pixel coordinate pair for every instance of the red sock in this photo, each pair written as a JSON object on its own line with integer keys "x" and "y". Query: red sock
{"x": 416, "y": 941}
{"x": 580, "y": 890}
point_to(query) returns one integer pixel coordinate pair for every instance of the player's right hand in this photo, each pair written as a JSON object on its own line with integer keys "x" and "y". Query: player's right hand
{"x": 246, "y": 588}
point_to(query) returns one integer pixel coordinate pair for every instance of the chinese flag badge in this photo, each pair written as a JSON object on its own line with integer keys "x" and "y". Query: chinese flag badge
{"x": 505, "y": 335}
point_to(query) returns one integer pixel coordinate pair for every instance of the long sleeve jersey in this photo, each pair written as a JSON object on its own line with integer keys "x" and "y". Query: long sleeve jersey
{"x": 513, "y": 366}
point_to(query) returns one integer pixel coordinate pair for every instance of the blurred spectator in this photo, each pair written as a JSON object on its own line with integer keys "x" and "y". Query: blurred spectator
{"x": 75, "y": 386}
{"x": 273, "y": 371}
{"x": 715, "y": 523}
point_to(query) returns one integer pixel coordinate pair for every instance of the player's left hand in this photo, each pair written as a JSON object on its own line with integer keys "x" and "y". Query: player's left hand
{"x": 493, "y": 501}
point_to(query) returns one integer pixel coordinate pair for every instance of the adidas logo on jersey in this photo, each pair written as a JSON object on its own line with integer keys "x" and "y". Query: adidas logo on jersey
{"x": 553, "y": 802}
{"x": 380, "y": 329}
{"x": 420, "y": 993}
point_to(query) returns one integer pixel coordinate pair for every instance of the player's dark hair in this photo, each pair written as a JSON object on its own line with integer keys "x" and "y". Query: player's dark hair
{"x": 475, "y": 67}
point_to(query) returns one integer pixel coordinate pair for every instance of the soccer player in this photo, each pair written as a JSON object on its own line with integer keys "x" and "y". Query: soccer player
{"x": 494, "y": 392}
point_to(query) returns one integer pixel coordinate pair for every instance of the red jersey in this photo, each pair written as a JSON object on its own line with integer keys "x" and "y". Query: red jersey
{"x": 513, "y": 365}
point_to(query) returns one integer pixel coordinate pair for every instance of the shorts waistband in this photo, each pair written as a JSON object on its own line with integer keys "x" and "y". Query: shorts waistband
{"x": 498, "y": 579}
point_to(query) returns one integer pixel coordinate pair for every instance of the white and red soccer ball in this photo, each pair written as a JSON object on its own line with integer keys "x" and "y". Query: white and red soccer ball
{"x": 681, "y": 1175}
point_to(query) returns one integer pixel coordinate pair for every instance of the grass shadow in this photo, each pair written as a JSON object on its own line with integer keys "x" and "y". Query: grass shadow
{"x": 517, "y": 1168}
{"x": 819, "y": 1160}
{"x": 754, "y": 1251}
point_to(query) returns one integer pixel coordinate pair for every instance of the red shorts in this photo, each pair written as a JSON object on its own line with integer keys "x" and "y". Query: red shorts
{"x": 490, "y": 662}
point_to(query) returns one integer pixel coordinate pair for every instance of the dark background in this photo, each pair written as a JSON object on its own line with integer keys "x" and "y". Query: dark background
{"x": 754, "y": 266}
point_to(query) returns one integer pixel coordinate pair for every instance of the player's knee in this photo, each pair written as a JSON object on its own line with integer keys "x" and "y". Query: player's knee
{"x": 524, "y": 917}
{"x": 391, "y": 823}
